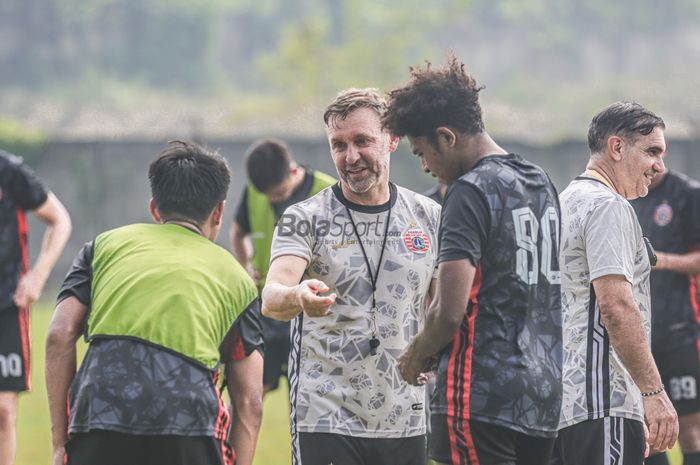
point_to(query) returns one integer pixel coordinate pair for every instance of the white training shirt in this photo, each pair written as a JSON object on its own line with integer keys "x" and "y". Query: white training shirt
{"x": 600, "y": 236}
{"x": 337, "y": 386}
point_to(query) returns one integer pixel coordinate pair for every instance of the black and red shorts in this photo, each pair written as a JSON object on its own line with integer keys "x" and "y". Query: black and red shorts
{"x": 479, "y": 443}
{"x": 14, "y": 349}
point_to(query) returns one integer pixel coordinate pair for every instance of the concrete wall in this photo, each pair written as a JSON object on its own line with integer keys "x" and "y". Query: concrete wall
{"x": 104, "y": 184}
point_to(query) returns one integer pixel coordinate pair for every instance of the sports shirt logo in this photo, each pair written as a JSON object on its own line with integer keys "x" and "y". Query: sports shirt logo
{"x": 663, "y": 214}
{"x": 416, "y": 240}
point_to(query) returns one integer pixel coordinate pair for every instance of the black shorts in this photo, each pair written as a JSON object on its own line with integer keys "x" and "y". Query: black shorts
{"x": 338, "y": 449}
{"x": 605, "y": 441}
{"x": 680, "y": 373}
{"x": 112, "y": 448}
{"x": 14, "y": 350}
{"x": 277, "y": 346}
{"x": 479, "y": 443}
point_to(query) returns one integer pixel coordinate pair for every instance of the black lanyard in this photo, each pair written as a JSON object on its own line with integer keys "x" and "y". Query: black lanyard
{"x": 373, "y": 277}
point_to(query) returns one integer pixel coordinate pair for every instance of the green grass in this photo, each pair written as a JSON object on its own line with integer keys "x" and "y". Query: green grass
{"x": 33, "y": 425}
{"x": 34, "y": 434}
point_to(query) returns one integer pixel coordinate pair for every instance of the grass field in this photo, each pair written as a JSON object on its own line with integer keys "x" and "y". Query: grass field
{"x": 34, "y": 435}
{"x": 33, "y": 427}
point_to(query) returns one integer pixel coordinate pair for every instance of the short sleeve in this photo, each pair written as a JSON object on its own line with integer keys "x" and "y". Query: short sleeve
{"x": 465, "y": 222}
{"x": 245, "y": 336}
{"x": 611, "y": 240}
{"x": 294, "y": 234}
{"x": 242, "y": 217}
{"x": 78, "y": 281}
{"x": 26, "y": 188}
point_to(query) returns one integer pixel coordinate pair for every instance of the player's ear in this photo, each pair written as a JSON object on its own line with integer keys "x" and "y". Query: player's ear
{"x": 393, "y": 143}
{"x": 153, "y": 208}
{"x": 446, "y": 136}
{"x": 615, "y": 147}
{"x": 217, "y": 214}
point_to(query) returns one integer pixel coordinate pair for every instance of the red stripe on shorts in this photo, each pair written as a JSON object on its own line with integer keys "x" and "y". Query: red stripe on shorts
{"x": 459, "y": 376}
{"x": 223, "y": 421}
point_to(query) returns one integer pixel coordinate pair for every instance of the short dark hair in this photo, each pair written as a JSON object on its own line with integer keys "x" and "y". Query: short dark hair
{"x": 187, "y": 181}
{"x": 349, "y": 100}
{"x": 267, "y": 163}
{"x": 433, "y": 98}
{"x": 628, "y": 120}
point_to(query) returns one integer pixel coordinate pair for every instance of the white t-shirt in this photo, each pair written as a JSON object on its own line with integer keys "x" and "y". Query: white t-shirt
{"x": 600, "y": 236}
{"x": 337, "y": 386}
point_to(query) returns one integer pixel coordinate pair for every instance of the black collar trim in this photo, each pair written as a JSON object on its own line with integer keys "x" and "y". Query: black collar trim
{"x": 393, "y": 194}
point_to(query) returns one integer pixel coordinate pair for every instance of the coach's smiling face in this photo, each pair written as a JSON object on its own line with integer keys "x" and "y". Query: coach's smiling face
{"x": 360, "y": 151}
{"x": 640, "y": 161}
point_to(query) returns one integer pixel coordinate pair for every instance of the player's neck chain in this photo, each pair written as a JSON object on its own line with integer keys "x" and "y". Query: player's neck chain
{"x": 373, "y": 277}
{"x": 194, "y": 227}
{"x": 591, "y": 173}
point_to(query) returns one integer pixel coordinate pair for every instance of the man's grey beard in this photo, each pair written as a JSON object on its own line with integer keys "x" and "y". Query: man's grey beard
{"x": 363, "y": 186}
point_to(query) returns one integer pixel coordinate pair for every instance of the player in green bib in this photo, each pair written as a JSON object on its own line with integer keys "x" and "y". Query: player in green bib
{"x": 157, "y": 305}
{"x": 276, "y": 182}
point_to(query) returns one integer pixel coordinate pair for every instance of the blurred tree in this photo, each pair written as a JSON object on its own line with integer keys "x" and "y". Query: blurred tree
{"x": 20, "y": 140}
{"x": 267, "y": 57}
{"x": 340, "y": 43}
{"x": 162, "y": 43}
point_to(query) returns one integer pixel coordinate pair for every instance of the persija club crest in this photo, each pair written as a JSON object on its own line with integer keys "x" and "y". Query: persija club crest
{"x": 416, "y": 240}
{"x": 663, "y": 214}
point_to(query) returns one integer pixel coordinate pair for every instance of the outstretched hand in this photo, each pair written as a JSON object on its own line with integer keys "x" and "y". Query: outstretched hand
{"x": 311, "y": 303}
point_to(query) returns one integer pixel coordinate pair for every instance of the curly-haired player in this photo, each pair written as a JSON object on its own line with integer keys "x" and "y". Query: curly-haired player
{"x": 498, "y": 392}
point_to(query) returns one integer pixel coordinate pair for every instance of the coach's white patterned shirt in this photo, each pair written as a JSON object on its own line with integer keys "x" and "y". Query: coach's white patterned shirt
{"x": 337, "y": 386}
{"x": 600, "y": 236}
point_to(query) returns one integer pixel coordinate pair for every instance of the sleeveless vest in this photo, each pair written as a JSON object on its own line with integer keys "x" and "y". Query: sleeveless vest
{"x": 262, "y": 223}
{"x": 166, "y": 285}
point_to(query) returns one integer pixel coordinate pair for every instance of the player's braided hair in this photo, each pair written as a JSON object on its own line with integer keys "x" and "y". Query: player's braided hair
{"x": 432, "y": 98}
